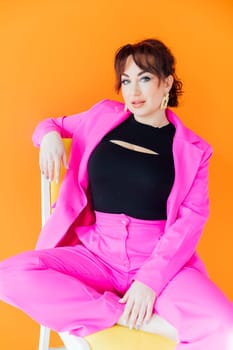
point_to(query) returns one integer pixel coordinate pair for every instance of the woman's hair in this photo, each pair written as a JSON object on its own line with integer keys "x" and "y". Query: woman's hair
{"x": 152, "y": 56}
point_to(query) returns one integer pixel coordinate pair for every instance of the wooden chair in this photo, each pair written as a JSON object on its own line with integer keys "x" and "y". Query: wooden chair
{"x": 116, "y": 337}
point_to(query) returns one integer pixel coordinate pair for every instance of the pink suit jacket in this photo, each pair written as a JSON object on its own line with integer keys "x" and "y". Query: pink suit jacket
{"x": 187, "y": 205}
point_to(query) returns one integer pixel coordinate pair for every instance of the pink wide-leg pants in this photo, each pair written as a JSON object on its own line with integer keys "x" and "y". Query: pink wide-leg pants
{"x": 77, "y": 289}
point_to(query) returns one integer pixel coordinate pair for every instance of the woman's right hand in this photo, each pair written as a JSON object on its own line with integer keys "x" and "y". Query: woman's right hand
{"x": 52, "y": 154}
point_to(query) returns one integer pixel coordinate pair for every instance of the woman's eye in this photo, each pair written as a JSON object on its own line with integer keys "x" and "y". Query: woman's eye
{"x": 145, "y": 79}
{"x": 125, "y": 81}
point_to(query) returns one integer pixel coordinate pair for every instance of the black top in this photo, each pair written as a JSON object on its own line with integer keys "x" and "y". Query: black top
{"x": 132, "y": 182}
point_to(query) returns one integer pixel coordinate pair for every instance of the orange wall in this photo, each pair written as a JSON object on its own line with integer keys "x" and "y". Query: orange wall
{"x": 56, "y": 58}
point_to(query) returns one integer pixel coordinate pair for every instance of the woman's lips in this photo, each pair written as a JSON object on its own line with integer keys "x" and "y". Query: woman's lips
{"x": 137, "y": 104}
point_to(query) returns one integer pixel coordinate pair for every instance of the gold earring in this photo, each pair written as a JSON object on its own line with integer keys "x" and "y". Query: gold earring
{"x": 164, "y": 102}
{"x": 125, "y": 108}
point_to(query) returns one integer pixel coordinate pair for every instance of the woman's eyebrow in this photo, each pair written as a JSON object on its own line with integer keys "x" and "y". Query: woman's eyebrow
{"x": 139, "y": 74}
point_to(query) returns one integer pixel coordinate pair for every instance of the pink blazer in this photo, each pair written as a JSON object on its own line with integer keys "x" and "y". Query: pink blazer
{"x": 187, "y": 205}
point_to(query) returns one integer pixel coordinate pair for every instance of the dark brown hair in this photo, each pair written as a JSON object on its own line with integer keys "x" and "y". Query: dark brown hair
{"x": 152, "y": 56}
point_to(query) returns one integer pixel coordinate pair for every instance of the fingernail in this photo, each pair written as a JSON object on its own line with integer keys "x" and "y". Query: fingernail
{"x": 137, "y": 326}
{"x": 130, "y": 327}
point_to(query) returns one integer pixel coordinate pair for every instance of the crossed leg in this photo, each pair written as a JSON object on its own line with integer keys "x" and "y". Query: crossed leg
{"x": 69, "y": 289}
{"x": 200, "y": 312}
{"x": 65, "y": 289}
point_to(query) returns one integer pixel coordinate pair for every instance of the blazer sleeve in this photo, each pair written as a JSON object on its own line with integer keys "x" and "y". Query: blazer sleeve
{"x": 178, "y": 243}
{"x": 65, "y": 126}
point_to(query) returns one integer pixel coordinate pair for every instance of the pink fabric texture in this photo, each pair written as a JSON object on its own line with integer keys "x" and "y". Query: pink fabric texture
{"x": 77, "y": 288}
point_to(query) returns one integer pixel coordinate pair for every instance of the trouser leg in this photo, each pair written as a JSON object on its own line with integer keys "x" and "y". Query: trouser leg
{"x": 65, "y": 289}
{"x": 200, "y": 312}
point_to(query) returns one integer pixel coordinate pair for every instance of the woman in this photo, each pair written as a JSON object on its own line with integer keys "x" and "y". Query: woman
{"x": 121, "y": 243}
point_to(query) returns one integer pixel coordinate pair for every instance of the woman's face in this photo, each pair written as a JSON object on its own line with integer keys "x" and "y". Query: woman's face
{"x": 142, "y": 91}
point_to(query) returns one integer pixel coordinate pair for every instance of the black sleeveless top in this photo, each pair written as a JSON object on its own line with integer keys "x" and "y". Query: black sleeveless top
{"x": 133, "y": 182}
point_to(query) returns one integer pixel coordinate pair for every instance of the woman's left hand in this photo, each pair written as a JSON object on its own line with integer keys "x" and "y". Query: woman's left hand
{"x": 139, "y": 302}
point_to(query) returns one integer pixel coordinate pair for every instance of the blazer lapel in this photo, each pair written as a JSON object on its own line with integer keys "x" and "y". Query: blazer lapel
{"x": 186, "y": 161}
{"x": 187, "y": 157}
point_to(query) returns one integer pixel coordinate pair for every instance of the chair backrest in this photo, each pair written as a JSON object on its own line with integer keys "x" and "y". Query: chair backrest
{"x": 50, "y": 190}
{"x": 49, "y": 194}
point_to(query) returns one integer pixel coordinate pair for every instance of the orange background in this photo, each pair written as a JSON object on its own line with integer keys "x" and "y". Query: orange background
{"x": 57, "y": 58}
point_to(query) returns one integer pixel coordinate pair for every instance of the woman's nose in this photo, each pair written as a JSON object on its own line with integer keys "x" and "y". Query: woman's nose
{"x": 135, "y": 89}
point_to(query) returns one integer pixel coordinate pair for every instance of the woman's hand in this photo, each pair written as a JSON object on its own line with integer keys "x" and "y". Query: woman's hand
{"x": 52, "y": 153}
{"x": 139, "y": 300}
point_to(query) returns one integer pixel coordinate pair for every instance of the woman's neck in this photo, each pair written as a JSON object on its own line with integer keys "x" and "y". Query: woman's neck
{"x": 157, "y": 120}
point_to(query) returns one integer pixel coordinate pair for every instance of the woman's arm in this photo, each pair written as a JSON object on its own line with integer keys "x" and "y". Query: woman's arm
{"x": 48, "y": 136}
{"x": 64, "y": 126}
{"x": 179, "y": 242}
{"x": 52, "y": 154}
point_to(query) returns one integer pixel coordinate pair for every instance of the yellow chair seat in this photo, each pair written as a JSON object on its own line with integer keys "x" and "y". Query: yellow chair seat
{"x": 122, "y": 338}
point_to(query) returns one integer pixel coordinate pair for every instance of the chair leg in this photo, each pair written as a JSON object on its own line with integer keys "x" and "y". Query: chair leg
{"x": 72, "y": 342}
{"x": 44, "y": 338}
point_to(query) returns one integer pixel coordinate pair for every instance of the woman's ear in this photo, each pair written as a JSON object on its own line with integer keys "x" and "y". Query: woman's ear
{"x": 168, "y": 82}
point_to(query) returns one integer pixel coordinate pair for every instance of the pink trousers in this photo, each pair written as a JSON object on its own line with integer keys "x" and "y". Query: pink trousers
{"x": 77, "y": 289}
